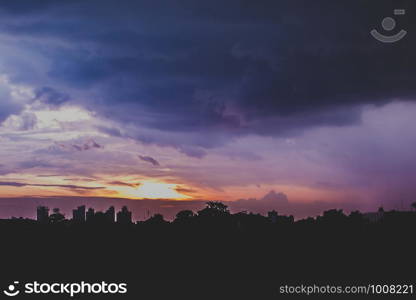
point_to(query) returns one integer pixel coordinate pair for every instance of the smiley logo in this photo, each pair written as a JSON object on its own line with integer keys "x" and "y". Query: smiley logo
{"x": 389, "y": 24}
{"x": 11, "y": 290}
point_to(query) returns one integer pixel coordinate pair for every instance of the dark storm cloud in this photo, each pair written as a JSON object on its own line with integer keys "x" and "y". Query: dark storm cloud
{"x": 235, "y": 67}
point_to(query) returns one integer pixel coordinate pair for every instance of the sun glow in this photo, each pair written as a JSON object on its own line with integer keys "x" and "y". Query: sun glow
{"x": 152, "y": 190}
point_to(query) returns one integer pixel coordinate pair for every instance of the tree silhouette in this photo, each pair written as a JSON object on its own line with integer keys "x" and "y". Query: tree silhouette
{"x": 219, "y": 206}
{"x": 333, "y": 216}
{"x": 184, "y": 216}
{"x": 56, "y": 216}
{"x": 156, "y": 219}
{"x": 414, "y": 205}
{"x": 214, "y": 209}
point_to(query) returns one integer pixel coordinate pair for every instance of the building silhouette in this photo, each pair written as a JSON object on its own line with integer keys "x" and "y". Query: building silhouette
{"x": 110, "y": 214}
{"x": 78, "y": 214}
{"x": 124, "y": 216}
{"x": 42, "y": 214}
{"x": 90, "y": 214}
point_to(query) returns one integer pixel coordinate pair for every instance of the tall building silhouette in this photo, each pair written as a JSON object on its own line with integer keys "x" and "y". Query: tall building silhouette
{"x": 42, "y": 214}
{"x": 111, "y": 214}
{"x": 90, "y": 214}
{"x": 124, "y": 216}
{"x": 78, "y": 214}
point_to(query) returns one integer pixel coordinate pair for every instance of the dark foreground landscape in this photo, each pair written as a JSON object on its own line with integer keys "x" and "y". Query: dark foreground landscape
{"x": 212, "y": 244}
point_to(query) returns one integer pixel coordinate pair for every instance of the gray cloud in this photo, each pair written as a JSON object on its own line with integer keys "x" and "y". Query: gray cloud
{"x": 88, "y": 145}
{"x": 7, "y": 105}
{"x": 15, "y": 184}
{"x": 28, "y": 121}
{"x": 149, "y": 159}
{"x": 65, "y": 186}
{"x": 121, "y": 183}
{"x": 35, "y": 163}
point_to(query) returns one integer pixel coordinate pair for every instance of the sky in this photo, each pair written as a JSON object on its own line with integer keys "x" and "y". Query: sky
{"x": 208, "y": 100}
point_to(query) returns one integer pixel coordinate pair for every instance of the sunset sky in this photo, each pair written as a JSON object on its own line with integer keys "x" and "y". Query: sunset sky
{"x": 221, "y": 100}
